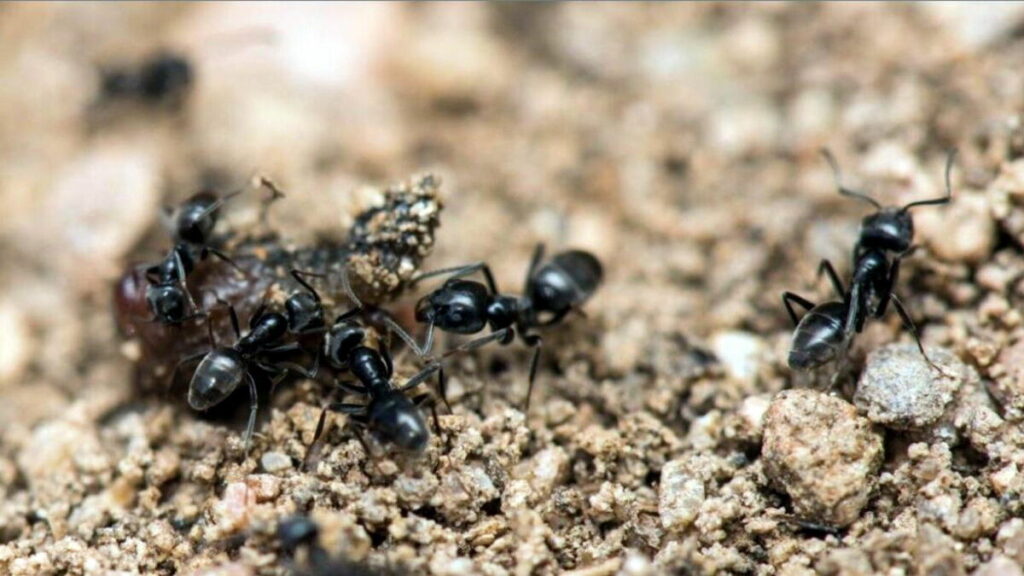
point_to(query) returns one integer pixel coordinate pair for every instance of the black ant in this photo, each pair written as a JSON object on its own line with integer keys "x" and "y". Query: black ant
{"x": 551, "y": 290}
{"x": 191, "y": 226}
{"x": 223, "y": 368}
{"x": 391, "y": 416}
{"x": 889, "y": 231}
{"x": 300, "y": 533}
{"x": 163, "y": 78}
{"x": 826, "y": 329}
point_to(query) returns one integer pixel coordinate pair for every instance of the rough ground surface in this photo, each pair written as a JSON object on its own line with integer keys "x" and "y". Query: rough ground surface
{"x": 678, "y": 143}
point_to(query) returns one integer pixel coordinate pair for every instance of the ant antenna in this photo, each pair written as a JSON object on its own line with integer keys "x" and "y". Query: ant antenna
{"x": 839, "y": 184}
{"x": 949, "y": 189}
{"x": 298, "y": 274}
{"x": 218, "y": 203}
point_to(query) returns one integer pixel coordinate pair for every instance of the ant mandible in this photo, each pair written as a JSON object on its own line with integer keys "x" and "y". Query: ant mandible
{"x": 552, "y": 289}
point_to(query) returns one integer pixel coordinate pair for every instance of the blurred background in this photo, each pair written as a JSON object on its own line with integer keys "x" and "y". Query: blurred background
{"x": 678, "y": 142}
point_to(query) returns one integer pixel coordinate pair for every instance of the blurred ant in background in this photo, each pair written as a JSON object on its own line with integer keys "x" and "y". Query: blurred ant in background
{"x": 885, "y": 239}
{"x": 163, "y": 78}
{"x": 551, "y": 291}
{"x": 300, "y": 536}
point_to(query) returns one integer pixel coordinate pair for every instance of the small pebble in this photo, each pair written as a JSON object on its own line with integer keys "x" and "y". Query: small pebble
{"x": 739, "y": 353}
{"x": 899, "y": 390}
{"x": 820, "y": 452}
{"x": 17, "y": 342}
{"x": 680, "y": 495}
{"x": 275, "y": 462}
{"x": 999, "y": 566}
{"x": 963, "y": 232}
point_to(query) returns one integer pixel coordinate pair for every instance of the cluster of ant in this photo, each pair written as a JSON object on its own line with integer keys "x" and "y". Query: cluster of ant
{"x": 824, "y": 333}
{"x": 295, "y": 337}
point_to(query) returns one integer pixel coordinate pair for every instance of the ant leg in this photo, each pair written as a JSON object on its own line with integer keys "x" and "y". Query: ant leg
{"x": 234, "y": 321}
{"x": 223, "y": 257}
{"x": 346, "y": 286}
{"x": 538, "y": 254}
{"x": 909, "y": 323}
{"x": 894, "y": 275}
{"x": 535, "y": 342}
{"x": 432, "y": 403}
{"x": 420, "y": 377}
{"x": 217, "y": 204}
{"x": 949, "y": 188}
{"x": 459, "y": 272}
{"x": 826, "y": 267}
{"x": 285, "y": 367}
{"x": 839, "y": 184}
{"x": 788, "y": 297}
{"x": 420, "y": 351}
{"x": 442, "y": 389}
{"x": 883, "y": 300}
{"x": 341, "y": 408}
{"x": 179, "y": 267}
{"x": 500, "y": 335}
{"x": 253, "y": 410}
{"x": 556, "y": 318}
{"x": 352, "y": 387}
{"x": 298, "y": 274}
{"x": 182, "y": 362}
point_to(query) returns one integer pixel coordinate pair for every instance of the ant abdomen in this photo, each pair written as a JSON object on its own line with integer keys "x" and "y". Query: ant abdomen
{"x": 218, "y": 375}
{"x": 396, "y": 421}
{"x": 565, "y": 281}
{"x": 819, "y": 336}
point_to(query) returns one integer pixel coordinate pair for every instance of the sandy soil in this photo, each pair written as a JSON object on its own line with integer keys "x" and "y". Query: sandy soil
{"x": 667, "y": 435}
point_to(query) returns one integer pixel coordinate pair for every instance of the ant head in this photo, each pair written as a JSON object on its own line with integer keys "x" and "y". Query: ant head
{"x": 297, "y": 531}
{"x": 305, "y": 313}
{"x": 460, "y": 306}
{"x": 218, "y": 375}
{"x": 341, "y": 340}
{"x": 195, "y": 219}
{"x": 567, "y": 280}
{"x": 889, "y": 229}
{"x": 395, "y": 420}
{"x": 165, "y": 76}
{"x": 168, "y": 303}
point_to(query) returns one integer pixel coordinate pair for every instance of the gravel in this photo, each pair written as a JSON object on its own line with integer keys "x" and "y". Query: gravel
{"x": 666, "y": 435}
{"x": 822, "y": 454}
{"x": 899, "y": 390}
